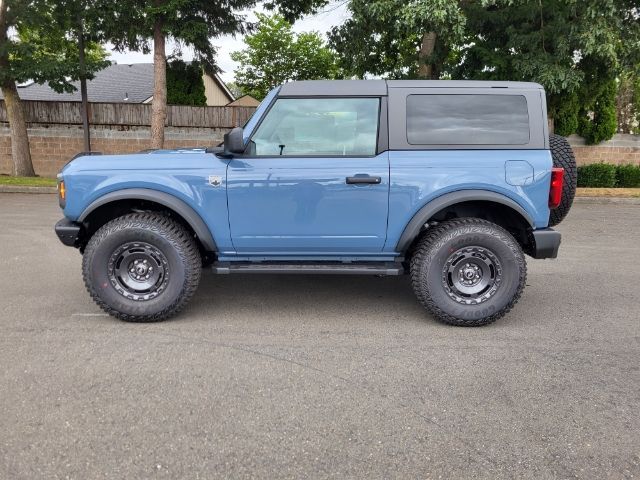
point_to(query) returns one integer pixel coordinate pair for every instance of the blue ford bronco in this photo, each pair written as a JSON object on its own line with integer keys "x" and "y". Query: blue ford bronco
{"x": 451, "y": 182}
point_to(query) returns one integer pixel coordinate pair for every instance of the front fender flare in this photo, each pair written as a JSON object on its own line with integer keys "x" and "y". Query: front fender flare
{"x": 423, "y": 215}
{"x": 180, "y": 207}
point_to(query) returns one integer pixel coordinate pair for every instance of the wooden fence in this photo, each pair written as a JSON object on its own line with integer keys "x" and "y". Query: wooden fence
{"x": 131, "y": 114}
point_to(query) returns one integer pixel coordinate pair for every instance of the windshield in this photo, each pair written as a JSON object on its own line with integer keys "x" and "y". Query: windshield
{"x": 257, "y": 115}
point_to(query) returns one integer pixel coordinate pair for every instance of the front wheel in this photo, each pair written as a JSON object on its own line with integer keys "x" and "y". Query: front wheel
{"x": 142, "y": 267}
{"x": 468, "y": 272}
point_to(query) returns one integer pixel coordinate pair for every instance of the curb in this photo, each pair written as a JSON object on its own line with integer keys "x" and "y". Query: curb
{"x": 607, "y": 200}
{"x": 26, "y": 189}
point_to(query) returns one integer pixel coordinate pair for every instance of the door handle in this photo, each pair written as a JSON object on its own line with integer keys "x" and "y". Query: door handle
{"x": 363, "y": 180}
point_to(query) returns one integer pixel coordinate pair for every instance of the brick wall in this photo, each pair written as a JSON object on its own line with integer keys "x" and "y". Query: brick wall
{"x": 622, "y": 148}
{"x": 53, "y": 145}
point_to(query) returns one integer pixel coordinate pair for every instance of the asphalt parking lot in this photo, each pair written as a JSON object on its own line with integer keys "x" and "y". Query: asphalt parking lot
{"x": 321, "y": 377}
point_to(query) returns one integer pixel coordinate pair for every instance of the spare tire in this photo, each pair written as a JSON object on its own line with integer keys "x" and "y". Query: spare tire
{"x": 563, "y": 157}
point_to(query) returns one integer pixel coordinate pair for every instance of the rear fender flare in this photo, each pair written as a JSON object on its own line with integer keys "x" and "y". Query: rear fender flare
{"x": 422, "y": 216}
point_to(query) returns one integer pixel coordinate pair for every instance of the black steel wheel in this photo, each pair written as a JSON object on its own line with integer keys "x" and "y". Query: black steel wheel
{"x": 138, "y": 271}
{"x": 142, "y": 267}
{"x": 468, "y": 272}
{"x": 472, "y": 275}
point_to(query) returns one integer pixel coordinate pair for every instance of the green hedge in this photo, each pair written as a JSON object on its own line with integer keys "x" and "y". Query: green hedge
{"x": 628, "y": 176}
{"x": 604, "y": 175}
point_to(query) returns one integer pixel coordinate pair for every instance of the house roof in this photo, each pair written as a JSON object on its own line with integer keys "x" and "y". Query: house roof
{"x": 251, "y": 100}
{"x": 118, "y": 83}
{"x": 222, "y": 85}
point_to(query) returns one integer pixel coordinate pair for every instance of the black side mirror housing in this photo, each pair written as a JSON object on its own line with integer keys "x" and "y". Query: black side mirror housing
{"x": 234, "y": 142}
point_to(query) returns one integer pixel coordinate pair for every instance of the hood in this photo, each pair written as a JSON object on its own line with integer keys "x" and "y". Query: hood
{"x": 180, "y": 158}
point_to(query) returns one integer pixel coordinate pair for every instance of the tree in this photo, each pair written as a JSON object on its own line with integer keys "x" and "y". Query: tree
{"x": 81, "y": 24}
{"x": 398, "y": 39}
{"x": 35, "y": 46}
{"x": 20, "y": 153}
{"x": 275, "y": 54}
{"x": 574, "y": 49}
{"x": 190, "y": 23}
{"x": 184, "y": 84}
{"x": 235, "y": 89}
{"x": 628, "y": 102}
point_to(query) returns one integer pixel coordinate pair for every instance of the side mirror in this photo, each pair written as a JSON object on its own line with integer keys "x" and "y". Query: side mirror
{"x": 234, "y": 141}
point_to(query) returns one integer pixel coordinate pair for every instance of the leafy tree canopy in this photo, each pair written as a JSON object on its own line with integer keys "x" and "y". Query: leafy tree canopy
{"x": 191, "y": 23}
{"x": 235, "y": 89}
{"x": 44, "y": 49}
{"x": 577, "y": 49}
{"x": 558, "y": 43}
{"x": 395, "y": 38}
{"x": 275, "y": 54}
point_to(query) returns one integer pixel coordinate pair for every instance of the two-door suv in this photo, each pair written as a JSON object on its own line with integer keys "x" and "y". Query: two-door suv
{"x": 451, "y": 182}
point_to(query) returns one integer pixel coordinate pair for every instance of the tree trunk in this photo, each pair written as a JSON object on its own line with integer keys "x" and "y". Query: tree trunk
{"x": 22, "y": 166}
{"x": 425, "y": 69}
{"x": 20, "y": 153}
{"x": 159, "y": 104}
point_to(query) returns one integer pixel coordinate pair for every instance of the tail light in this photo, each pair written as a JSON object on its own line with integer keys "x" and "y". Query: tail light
{"x": 555, "y": 192}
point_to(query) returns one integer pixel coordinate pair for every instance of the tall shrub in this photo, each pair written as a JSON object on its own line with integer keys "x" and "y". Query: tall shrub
{"x": 566, "y": 115}
{"x": 598, "y": 121}
{"x": 184, "y": 84}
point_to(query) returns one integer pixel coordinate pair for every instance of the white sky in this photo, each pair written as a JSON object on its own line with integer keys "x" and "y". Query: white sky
{"x": 333, "y": 14}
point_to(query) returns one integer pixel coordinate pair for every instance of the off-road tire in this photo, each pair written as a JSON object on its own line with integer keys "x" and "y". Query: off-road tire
{"x": 563, "y": 157}
{"x": 430, "y": 257}
{"x": 184, "y": 266}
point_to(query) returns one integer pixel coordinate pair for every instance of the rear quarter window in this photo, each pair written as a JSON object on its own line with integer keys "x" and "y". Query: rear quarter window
{"x": 467, "y": 120}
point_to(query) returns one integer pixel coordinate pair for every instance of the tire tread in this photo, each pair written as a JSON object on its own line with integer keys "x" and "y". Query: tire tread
{"x": 169, "y": 229}
{"x": 563, "y": 156}
{"x": 429, "y": 245}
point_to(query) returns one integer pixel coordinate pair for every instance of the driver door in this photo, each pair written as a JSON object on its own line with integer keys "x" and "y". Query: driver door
{"x": 312, "y": 182}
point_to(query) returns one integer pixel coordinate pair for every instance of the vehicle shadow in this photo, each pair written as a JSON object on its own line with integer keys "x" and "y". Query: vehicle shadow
{"x": 306, "y": 296}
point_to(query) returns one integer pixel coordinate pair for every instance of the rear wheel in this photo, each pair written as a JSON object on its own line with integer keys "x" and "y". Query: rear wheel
{"x": 468, "y": 272}
{"x": 142, "y": 267}
{"x": 563, "y": 157}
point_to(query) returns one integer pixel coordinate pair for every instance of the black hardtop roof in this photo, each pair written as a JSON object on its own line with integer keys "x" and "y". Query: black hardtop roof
{"x": 373, "y": 88}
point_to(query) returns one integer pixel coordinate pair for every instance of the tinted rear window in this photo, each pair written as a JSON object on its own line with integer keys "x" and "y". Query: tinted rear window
{"x": 467, "y": 120}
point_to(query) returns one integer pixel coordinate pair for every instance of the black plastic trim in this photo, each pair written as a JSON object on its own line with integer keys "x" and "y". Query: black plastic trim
{"x": 304, "y": 268}
{"x": 363, "y": 180}
{"x": 165, "y": 199}
{"x": 423, "y": 215}
{"x": 546, "y": 243}
{"x": 68, "y": 232}
{"x": 383, "y": 126}
{"x": 334, "y": 88}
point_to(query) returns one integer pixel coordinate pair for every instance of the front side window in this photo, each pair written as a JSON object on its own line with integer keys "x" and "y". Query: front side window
{"x": 467, "y": 120}
{"x": 318, "y": 126}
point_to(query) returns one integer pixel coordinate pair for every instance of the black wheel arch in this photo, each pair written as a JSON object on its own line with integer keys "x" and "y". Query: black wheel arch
{"x": 470, "y": 203}
{"x": 123, "y": 201}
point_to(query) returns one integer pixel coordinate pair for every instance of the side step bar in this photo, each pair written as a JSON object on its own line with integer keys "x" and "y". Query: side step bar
{"x": 387, "y": 268}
